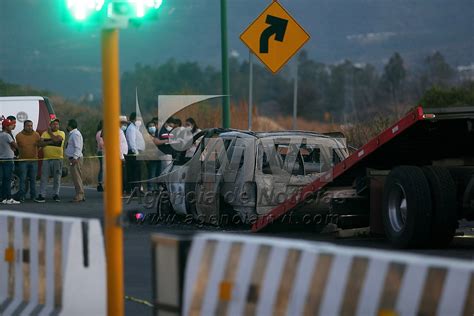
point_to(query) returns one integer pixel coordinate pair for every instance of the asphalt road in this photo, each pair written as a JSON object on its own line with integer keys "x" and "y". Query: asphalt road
{"x": 137, "y": 245}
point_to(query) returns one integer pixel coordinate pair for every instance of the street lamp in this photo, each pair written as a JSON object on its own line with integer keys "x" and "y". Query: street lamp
{"x": 110, "y": 16}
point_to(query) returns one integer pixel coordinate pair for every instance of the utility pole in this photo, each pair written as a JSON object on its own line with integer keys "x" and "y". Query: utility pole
{"x": 250, "y": 89}
{"x": 225, "y": 67}
{"x": 295, "y": 96}
{"x": 110, "y": 16}
{"x": 113, "y": 178}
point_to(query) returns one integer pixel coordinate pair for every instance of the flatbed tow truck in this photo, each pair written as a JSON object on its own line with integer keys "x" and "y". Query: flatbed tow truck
{"x": 412, "y": 182}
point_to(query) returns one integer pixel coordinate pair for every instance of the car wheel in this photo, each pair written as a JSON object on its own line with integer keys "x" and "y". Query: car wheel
{"x": 191, "y": 196}
{"x": 443, "y": 194}
{"x": 164, "y": 207}
{"x": 407, "y": 207}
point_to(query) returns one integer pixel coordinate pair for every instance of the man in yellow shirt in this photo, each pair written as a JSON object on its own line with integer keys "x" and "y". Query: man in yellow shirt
{"x": 27, "y": 141}
{"x": 52, "y": 142}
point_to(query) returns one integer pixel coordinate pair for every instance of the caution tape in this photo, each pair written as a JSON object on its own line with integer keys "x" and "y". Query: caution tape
{"x": 139, "y": 301}
{"x": 42, "y": 159}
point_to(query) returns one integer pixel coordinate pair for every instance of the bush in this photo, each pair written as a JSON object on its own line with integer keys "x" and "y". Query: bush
{"x": 449, "y": 97}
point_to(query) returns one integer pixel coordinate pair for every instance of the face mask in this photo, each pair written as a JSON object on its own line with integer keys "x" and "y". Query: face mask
{"x": 152, "y": 130}
{"x": 123, "y": 127}
{"x": 169, "y": 128}
{"x": 138, "y": 123}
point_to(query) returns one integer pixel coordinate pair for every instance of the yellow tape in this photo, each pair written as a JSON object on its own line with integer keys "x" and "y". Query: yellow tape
{"x": 41, "y": 159}
{"x": 139, "y": 301}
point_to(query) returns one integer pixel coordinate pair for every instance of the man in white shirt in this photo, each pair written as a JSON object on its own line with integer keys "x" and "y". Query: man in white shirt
{"x": 73, "y": 152}
{"x": 136, "y": 145}
{"x": 7, "y": 147}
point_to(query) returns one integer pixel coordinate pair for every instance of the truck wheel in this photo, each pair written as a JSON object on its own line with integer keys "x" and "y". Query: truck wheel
{"x": 407, "y": 206}
{"x": 443, "y": 197}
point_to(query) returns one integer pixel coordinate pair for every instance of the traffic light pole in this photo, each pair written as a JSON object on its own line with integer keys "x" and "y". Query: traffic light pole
{"x": 113, "y": 175}
{"x": 225, "y": 67}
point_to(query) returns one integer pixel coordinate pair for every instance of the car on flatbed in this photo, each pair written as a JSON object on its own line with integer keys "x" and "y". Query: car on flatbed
{"x": 412, "y": 183}
{"x": 246, "y": 174}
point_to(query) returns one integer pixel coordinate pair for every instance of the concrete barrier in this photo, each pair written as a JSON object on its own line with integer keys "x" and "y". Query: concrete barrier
{"x": 238, "y": 275}
{"x": 51, "y": 265}
{"x": 169, "y": 255}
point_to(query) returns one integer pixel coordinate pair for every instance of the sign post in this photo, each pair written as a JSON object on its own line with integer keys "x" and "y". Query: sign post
{"x": 225, "y": 67}
{"x": 113, "y": 177}
{"x": 111, "y": 16}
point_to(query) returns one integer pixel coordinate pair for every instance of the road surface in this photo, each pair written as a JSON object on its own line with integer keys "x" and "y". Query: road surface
{"x": 137, "y": 240}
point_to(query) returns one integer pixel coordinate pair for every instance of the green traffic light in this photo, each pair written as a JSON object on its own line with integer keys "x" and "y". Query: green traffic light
{"x": 143, "y": 6}
{"x": 110, "y": 13}
{"x": 82, "y": 9}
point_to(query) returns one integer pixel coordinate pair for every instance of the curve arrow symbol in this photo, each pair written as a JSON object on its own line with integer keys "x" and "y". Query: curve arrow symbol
{"x": 277, "y": 27}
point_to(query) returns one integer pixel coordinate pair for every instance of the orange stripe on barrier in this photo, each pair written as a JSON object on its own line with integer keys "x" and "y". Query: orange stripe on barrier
{"x": 469, "y": 305}
{"x": 432, "y": 291}
{"x": 226, "y": 287}
{"x": 354, "y": 285}
{"x": 10, "y": 255}
{"x": 253, "y": 292}
{"x": 204, "y": 273}
{"x": 393, "y": 282}
{"x": 318, "y": 284}
{"x": 287, "y": 282}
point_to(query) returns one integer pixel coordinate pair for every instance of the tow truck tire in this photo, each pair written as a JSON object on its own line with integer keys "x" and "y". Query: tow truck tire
{"x": 444, "y": 199}
{"x": 407, "y": 207}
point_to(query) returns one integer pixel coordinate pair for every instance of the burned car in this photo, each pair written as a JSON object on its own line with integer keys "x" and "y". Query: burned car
{"x": 244, "y": 173}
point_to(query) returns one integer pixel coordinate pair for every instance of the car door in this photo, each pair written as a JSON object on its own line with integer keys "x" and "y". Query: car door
{"x": 209, "y": 185}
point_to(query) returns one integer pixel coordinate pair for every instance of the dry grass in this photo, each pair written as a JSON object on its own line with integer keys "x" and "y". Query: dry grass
{"x": 209, "y": 115}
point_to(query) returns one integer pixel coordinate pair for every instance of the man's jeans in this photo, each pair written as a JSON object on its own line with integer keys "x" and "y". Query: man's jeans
{"x": 153, "y": 167}
{"x": 100, "y": 176}
{"x": 7, "y": 172}
{"x": 28, "y": 169}
{"x": 53, "y": 167}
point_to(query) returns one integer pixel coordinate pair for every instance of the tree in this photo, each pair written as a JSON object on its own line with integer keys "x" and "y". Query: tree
{"x": 313, "y": 83}
{"x": 393, "y": 79}
{"x": 436, "y": 72}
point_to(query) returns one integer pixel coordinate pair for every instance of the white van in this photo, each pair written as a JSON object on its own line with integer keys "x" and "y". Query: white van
{"x": 36, "y": 109}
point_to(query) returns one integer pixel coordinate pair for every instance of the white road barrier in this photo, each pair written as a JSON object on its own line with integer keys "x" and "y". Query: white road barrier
{"x": 228, "y": 274}
{"x": 51, "y": 265}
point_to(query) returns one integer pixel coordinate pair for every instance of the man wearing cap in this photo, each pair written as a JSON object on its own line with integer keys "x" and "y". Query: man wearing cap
{"x": 52, "y": 142}
{"x": 7, "y": 148}
{"x": 136, "y": 145}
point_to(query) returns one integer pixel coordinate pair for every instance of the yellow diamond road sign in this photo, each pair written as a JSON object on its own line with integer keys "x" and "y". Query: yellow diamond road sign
{"x": 274, "y": 37}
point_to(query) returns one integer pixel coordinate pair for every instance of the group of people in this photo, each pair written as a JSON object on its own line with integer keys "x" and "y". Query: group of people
{"x": 147, "y": 146}
{"x": 22, "y": 152}
{"x": 24, "y": 149}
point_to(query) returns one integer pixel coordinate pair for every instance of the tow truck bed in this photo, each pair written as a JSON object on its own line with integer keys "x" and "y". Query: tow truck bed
{"x": 418, "y": 139}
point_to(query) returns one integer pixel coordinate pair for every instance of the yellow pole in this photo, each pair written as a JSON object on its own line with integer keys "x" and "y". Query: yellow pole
{"x": 113, "y": 175}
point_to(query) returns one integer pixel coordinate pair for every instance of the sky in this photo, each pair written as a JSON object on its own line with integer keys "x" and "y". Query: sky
{"x": 37, "y": 48}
